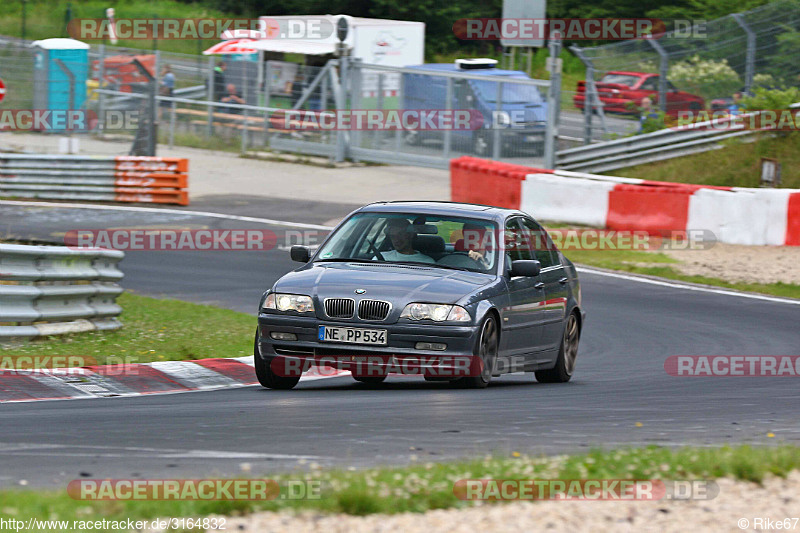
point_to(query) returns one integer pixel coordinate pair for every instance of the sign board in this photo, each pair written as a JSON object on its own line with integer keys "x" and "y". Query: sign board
{"x": 524, "y": 9}
{"x": 770, "y": 172}
{"x": 2, "y": 90}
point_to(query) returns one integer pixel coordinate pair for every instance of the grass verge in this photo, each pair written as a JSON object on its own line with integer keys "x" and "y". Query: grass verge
{"x": 155, "y": 330}
{"x": 427, "y": 486}
{"x": 737, "y": 164}
{"x": 649, "y": 263}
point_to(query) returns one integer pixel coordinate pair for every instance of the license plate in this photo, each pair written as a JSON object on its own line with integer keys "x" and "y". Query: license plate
{"x": 533, "y": 138}
{"x": 352, "y": 335}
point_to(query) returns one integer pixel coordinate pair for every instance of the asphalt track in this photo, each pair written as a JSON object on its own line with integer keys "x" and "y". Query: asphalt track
{"x": 620, "y": 394}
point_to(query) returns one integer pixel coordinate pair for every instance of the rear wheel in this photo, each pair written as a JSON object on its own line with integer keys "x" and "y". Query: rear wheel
{"x": 486, "y": 350}
{"x": 567, "y": 354}
{"x": 266, "y": 376}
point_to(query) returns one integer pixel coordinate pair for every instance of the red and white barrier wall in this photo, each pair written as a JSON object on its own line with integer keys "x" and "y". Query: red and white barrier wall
{"x": 734, "y": 215}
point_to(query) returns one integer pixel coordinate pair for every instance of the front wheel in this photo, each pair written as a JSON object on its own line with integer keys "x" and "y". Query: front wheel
{"x": 486, "y": 350}
{"x": 567, "y": 354}
{"x": 266, "y": 376}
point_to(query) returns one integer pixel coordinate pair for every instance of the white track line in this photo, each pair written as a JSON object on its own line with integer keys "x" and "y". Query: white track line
{"x": 687, "y": 287}
{"x": 167, "y": 210}
{"x": 627, "y": 277}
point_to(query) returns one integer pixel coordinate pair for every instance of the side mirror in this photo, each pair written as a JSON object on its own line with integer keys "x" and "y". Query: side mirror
{"x": 300, "y": 254}
{"x": 525, "y": 267}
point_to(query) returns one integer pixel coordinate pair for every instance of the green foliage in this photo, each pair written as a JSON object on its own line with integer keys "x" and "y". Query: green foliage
{"x": 705, "y": 77}
{"x": 764, "y": 98}
{"x": 653, "y": 123}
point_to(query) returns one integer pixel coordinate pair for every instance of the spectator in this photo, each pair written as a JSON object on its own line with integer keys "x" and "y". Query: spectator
{"x": 219, "y": 81}
{"x": 167, "y": 85}
{"x": 736, "y": 107}
{"x": 647, "y": 115}
{"x": 232, "y": 97}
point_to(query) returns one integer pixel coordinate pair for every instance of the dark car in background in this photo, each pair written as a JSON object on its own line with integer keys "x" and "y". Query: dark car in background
{"x": 622, "y": 92}
{"x": 396, "y": 281}
{"x": 521, "y": 114}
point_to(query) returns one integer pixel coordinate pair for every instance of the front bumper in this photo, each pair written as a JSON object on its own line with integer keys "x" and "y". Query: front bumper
{"x": 399, "y": 351}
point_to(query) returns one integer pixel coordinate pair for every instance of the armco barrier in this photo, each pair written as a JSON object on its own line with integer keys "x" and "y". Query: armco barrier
{"x": 733, "y": 215}
{"x": 162, "y": 180}
{"x": 51, "y": 290}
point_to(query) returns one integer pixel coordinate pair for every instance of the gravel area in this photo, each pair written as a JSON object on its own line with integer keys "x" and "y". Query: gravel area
{"x": 776, "y": 499}
{"x": 753, "y": 264}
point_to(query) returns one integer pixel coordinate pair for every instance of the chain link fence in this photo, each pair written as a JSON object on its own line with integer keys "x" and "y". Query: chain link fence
{"x": 694, "y": 69}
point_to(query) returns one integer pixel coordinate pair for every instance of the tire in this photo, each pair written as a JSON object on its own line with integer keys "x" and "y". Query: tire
{"x": 371, "y": 380}
{"x": 567, "y": 354}
{"x": 486, "y": 348}
{"x": 266, "y": 376}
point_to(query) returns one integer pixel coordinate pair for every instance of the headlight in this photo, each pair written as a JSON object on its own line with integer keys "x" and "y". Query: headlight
{"x": 435, "y": 312}
{"x": 289, "y": 302}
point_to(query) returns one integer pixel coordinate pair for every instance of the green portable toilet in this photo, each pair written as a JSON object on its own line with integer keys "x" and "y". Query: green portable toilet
{"x": 53, "y": 87}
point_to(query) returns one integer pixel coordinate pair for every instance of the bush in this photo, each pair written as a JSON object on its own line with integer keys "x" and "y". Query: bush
{"x": 764, "y": 98}
{"x": 704, "y": 77}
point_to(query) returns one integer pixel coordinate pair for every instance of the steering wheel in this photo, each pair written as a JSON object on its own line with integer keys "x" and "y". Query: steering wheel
{"x": 375, "y": 249}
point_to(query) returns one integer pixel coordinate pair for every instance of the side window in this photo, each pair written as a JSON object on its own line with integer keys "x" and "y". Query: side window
{"x": 515, "y": 245}
{"x": 539, "y": 241}
{"x": 650, "y": 84}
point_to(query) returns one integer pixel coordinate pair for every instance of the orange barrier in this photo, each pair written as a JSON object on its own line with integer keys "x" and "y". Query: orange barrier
{"x": 162, "y": 180}
{"x": 143, "y": 179}
{"x": 793, "y": 220}
{"x": 481, "y": 181}
{"x": 651, "y": 209}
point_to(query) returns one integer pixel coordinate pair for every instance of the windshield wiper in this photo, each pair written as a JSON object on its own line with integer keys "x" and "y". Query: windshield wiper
{"x": 437, "y": 265}
{"x": 345, "y": 260}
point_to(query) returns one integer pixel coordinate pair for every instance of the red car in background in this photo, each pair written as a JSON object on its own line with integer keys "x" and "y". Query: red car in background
{"x": 622, "y": 92}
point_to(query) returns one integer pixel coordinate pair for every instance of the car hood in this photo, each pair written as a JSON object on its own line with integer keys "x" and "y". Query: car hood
{"x": 398, "y": 284}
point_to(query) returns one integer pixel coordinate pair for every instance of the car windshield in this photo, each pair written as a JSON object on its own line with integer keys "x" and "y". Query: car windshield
{"x": 440, "y": 241}
{"x": 513, "y": 93}
{"x": 621, "y": 79}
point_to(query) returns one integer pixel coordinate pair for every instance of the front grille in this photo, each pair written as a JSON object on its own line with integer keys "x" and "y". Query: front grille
{"x": 339, "y": 307}
{"x": 373, "y": 309}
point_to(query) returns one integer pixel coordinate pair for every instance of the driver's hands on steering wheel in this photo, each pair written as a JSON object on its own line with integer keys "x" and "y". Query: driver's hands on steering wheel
{"x": 477, "y": 256}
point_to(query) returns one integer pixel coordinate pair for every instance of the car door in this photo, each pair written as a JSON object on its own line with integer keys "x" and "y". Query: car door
{"x": 650, "y": 86}
{"x": 555, "y": 280}
{"x": 524, "y": 316}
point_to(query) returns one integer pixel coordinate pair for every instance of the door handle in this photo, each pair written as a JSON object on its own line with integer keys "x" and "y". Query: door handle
{"x": 539, "y": 285}
{"x": 563, "y": 281}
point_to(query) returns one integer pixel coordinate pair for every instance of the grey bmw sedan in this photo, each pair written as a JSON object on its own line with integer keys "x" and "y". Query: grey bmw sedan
{"x": 451, "y": 292}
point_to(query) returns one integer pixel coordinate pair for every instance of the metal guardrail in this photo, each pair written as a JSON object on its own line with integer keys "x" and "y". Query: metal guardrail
{"x": 52, "y": 290}
{"x": 196, "y": 92}
{"x": 649, "y": 147}
{"x": 95, "y": 178}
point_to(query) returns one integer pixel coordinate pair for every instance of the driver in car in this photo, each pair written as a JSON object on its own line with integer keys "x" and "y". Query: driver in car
{"x": 476, "y": 242}
{"x": 399, "y": 232}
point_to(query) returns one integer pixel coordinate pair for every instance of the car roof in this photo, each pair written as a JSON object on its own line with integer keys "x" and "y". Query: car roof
{"x": 450, "y": 67}
{"x": 631, "y": 73}
{"x": 441, "y": 208}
